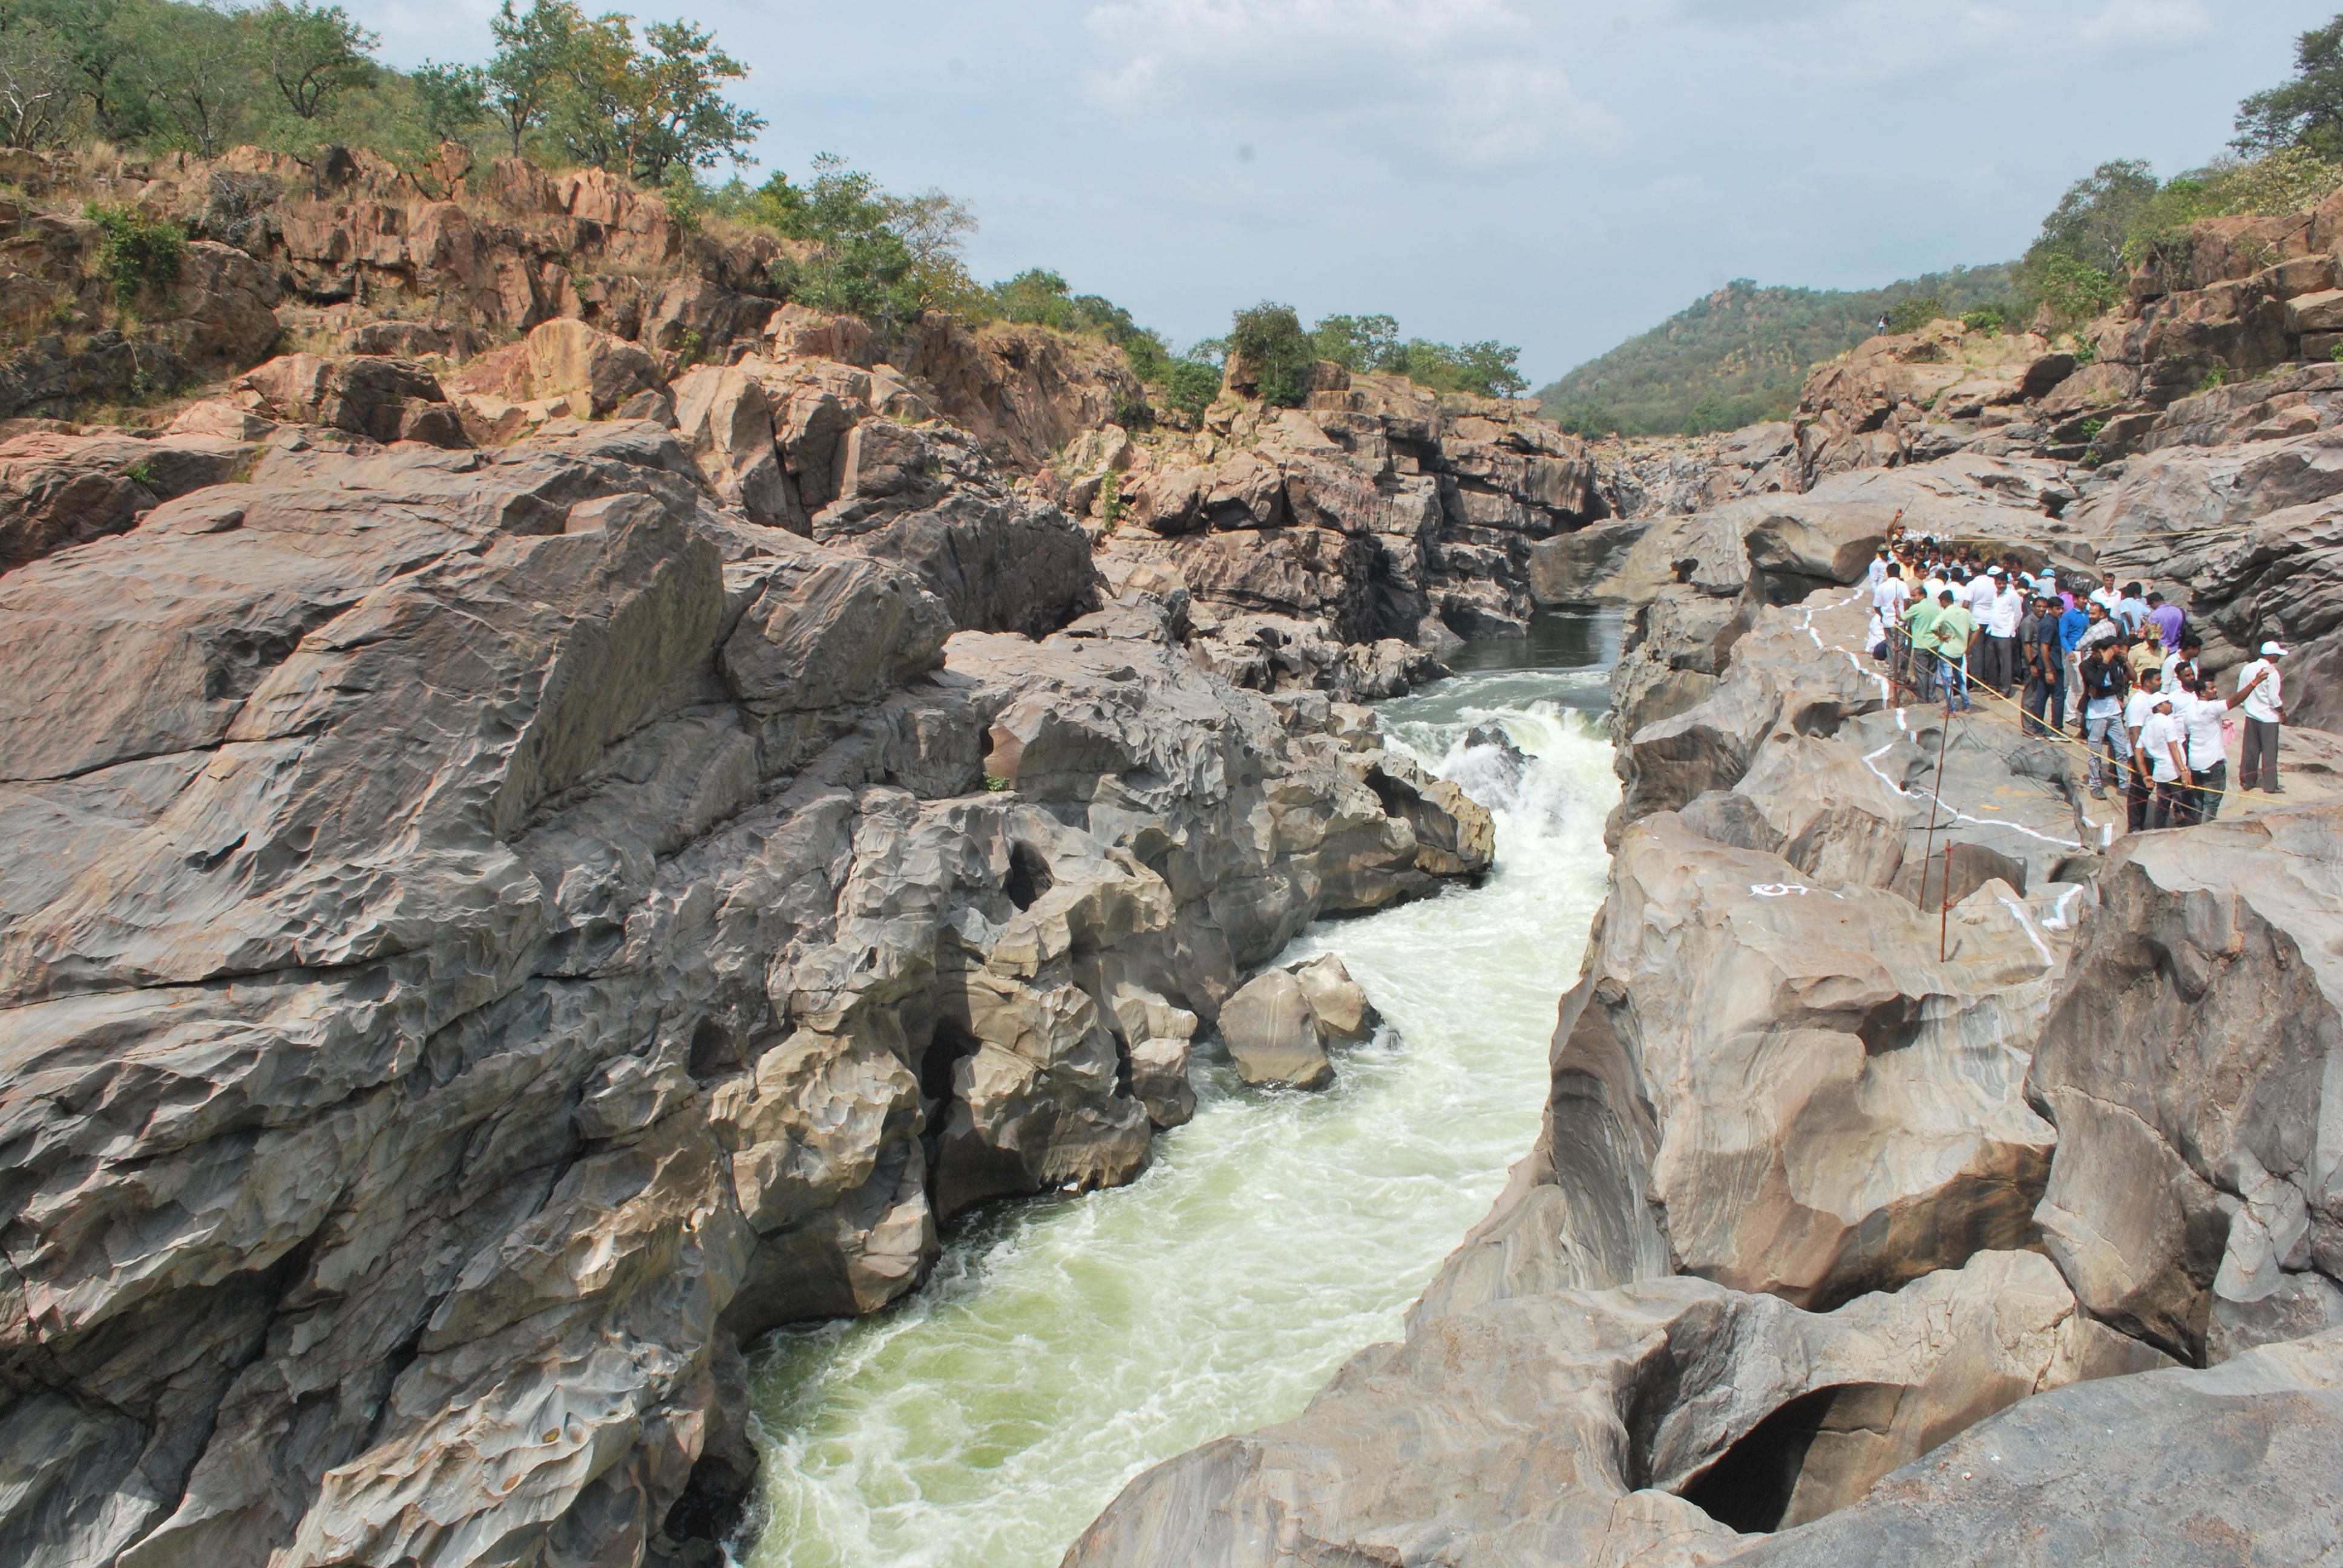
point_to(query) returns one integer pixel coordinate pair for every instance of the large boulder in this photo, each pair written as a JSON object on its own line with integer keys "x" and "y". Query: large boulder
{"x": 1834, "y": 1109}
{"x": 2189, "y": 1061}
{"x": 374, "y": 396}
{"x": 1273, "y": 1035}
{"x": 723, "y": 416}
{"x": 570, "y": 357}
{"x": 58, "y": 489}
{"x": 1645, "y": 1424}
{"x": 2193, "y": 1469}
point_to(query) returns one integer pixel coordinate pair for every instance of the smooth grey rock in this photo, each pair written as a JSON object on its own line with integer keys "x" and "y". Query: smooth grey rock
{"x": 1338, "y": 1004}
{"x": 2194, "y": 1469}
{"x": 2195, "y": 1050}
{"x": 1588, "y": 1427}
{"x": 1272, "y": 1036}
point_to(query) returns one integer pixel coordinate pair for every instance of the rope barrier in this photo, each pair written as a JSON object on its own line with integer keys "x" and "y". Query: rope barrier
{"x": 2030, "y": 726}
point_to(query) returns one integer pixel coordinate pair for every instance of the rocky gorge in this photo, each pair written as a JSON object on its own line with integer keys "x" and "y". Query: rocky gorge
{"x": 581, "y": 812}
{"x": 1831, "y": 1247}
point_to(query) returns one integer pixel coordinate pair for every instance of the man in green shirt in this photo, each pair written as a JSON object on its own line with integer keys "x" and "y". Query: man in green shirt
{"x": 1919, "y": 628}
{"x": 1952, "y": 633}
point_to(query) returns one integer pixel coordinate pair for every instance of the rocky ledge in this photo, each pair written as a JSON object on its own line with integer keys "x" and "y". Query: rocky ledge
{"x": 482, "y": 933}
{"x": 1912, "y": 1130}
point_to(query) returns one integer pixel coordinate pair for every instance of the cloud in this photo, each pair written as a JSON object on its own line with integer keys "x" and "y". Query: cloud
{"x": 1471, "y": 81}
{"x": 2145, "y": 22}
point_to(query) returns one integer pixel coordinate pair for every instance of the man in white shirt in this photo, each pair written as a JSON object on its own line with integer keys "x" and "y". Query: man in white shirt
{"x": 2199, "y": 712}
{"x": 1982, "y": 591}
{"x": 1878, "y": 568}
{"x": 2138, "y": 709}
{"x": 2262, "y": 692}
{"x": 2187, "y": 653}
{"x": 1890, "y": 594}
{"x": 2002, "y": 613}
{"x": 2165, "y": 742}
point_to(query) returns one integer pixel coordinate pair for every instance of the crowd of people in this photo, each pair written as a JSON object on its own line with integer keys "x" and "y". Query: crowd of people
{"x": 2119, "y": 661}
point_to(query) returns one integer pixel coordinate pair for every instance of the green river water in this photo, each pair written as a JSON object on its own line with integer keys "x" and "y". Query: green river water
{"x": 1066, "y": 1343}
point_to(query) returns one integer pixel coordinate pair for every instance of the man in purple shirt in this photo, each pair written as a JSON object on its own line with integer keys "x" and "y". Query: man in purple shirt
{"x": 2167, "y": 618}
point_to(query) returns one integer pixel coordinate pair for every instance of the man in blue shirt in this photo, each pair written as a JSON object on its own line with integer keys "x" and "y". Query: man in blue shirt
{"x": 2132, "y": 611}
{"x": 2072, "y": 624}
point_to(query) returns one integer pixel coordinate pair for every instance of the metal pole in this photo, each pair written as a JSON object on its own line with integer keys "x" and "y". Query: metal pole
{"x": 1935, "y": 796}
{"x": 1944, "y": 902}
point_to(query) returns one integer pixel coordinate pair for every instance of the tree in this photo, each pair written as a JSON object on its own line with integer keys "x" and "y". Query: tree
{"x": 102, "y": 39}
{"x": 37, "y": 91}
{"x": 646, "y": 111}
{"x": 1356, "y": 342}
{"x": 454, "y": 99}
{"x": 1271, "y": 350}
{"x": 1486, "y": 370}
{"x": 1914, "y": 311}
{"x": 312, "y": 53}
{"x": 2305, "y": 111}
{"x": 530, "y": 67}
{"x": 677, "y": 114}
{"x": 196, "y": 69}
{"x": 2094, "y": 221}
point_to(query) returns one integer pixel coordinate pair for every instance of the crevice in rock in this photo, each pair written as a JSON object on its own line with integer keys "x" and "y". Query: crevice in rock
{"x": 1028, "y": 875}
{"x": 1811, "y": 1456}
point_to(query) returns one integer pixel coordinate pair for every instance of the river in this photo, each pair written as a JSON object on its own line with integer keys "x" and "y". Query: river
{"x": 1066, "y": 1343}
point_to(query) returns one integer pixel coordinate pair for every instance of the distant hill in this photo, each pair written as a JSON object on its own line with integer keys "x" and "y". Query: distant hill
{"x": 1741, "y": 354}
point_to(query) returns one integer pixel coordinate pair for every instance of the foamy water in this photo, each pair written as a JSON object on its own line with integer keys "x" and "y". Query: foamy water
{"x": 1064, "y": 1345}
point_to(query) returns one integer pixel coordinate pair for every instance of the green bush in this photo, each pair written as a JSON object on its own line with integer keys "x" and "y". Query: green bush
{"x": 137, "y": 251}
{"x": 1269, "y": 341}
{"x": 2068, "y": 290}
{"x": 1190, "y": 386}
{"x": 1914, "y": 311}
{"x": 1992, "y": 319}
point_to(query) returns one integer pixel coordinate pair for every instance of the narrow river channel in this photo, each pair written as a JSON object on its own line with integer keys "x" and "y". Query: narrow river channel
{"x": 1064, "y": 1345}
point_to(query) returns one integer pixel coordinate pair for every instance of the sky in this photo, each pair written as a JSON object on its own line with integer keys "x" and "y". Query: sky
{"x": 1559, "y": 174}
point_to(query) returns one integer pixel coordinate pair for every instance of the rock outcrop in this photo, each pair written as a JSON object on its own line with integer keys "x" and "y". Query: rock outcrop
{"x": 482, "y": 933}
{"x": 59, "y": 488}
{"x": 1581, "y": 1427}
{"x": 2190, "y": 1063}
{"x": 1280, "y": 1026}
{"x": 1341, "y": 544}
{"x": 2041, "y": 1484}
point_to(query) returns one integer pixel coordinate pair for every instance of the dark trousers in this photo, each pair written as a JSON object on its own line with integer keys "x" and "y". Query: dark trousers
{"x": 2000, "y": 670}
{"x": 2045, "y": 697}
{"x": 2171, "y": 807}
{"x": 2139, "y": 795}
{"x": 2258, "y": 768}
{"x": 2205, "y": 799}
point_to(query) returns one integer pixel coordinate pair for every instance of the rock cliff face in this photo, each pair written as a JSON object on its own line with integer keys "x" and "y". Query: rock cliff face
{"x": 1883, "y": 1015}
{"x": 1343, "y": 544}
{"x": 484, "y": 931}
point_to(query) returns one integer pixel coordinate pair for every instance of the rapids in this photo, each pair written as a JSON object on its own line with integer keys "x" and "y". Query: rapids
{"x": 1064, "y": 1345}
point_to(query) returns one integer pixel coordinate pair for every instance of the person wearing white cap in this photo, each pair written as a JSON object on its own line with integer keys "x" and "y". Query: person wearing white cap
{"x": 2262, "y": 691}
{"x": 2163, "y": 738}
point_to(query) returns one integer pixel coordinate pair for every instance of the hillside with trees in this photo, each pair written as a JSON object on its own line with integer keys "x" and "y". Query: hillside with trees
{"x": 1741, "y": 354}
{"x": 646, "y": 101}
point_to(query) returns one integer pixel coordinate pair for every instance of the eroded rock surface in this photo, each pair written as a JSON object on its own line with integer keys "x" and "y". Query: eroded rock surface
{"x": 483, "y": 932}
{"x": 1577, "y": 1426}
{"x": 2192, "y": 1064}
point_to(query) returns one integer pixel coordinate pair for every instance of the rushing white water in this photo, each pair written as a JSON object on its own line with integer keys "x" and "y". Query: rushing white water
{"x": 1066, "y": 1343}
